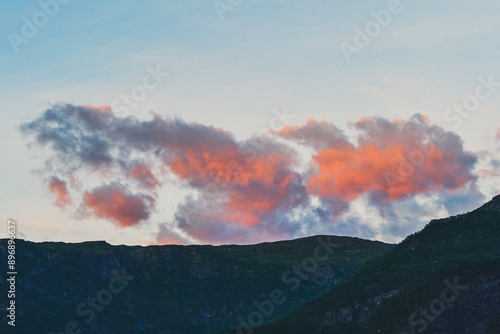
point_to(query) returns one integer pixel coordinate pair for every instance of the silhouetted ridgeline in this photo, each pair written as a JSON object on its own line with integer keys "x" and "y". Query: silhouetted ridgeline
{"x": 444, "y": 279}
{"x": 99, "y": 288}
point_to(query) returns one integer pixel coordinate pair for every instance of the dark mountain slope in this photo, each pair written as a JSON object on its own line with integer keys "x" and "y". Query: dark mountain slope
{"x": 385, "y": 294}
{"x": 175, "y": 289}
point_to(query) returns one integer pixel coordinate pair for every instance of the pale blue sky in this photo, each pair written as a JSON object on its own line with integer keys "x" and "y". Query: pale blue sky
{"x": 233, "y": 73}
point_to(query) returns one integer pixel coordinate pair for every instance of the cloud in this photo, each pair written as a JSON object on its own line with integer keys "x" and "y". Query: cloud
{"x": 250, "y": 183}
{"x": 143, "y": 174}
{"x": 104, "y": 108}
{"x": 463, "y": 201}
{"x": 167, "y": 236}
{"x": 76, "y": 134}
{"x": 114, "y": 202}
{"x": 58, "y": 187}
{"x": 391, "y": 161}
{"x": 245, "y": 191}
{"x": 247, "y": 184}
{"x": 319, "y": 135}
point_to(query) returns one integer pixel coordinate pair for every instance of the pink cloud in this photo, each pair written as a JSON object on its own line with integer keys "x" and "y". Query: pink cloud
{"x": 58, "y": 187}
{"x": 393, "y": 159}
{"x": 116, "y": 203}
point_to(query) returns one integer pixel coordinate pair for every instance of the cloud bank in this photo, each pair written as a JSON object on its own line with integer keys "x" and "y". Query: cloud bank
{"x": 243, "y": 191}
{"x": 392, "y": 159}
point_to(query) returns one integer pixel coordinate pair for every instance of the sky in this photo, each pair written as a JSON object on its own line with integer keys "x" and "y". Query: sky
{"x": 237, "y": 121}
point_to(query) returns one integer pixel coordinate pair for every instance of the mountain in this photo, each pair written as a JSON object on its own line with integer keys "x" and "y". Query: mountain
{"x": 444, "y": 279}
{"x": 94, "y": 287}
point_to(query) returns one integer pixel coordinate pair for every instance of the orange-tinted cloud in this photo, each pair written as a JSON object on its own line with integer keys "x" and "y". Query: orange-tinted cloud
{"x": 242, "y": 191}
{"x": 58, "y": 187}
{"x": 116, "y": 203}
{"x": 250, "y": 187}
{"x": 103, "y": 108}
{"x": 249, "y": 182}
{"x": 391, "y": 160}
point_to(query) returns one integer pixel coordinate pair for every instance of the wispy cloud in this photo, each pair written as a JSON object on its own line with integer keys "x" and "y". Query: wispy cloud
{"x": 58, "y": 187}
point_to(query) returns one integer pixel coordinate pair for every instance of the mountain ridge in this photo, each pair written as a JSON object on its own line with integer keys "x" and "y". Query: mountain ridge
{"x": 362, "y": 287}
{"x": 176, "y": 289}
{"x": 467, "y": 244}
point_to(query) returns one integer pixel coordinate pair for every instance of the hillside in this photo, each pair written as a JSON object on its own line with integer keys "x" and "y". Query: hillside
{"x": 402, "y": 292}
{"x": 171, "y": 289}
